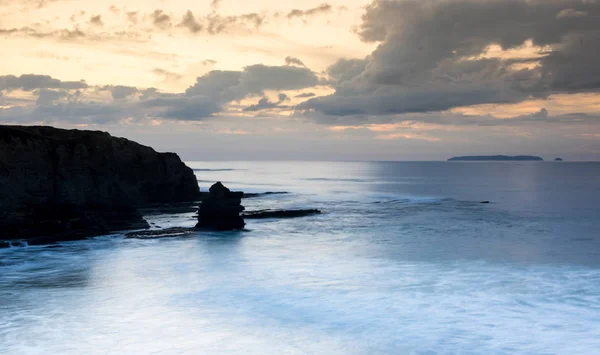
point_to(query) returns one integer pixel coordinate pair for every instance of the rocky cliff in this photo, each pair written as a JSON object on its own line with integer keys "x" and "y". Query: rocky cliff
{"x": 66, "y": 184}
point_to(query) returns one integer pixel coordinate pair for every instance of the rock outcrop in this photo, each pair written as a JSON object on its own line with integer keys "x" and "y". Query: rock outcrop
{"x": 60, "y": 184}
{"x": 221, "y": 209}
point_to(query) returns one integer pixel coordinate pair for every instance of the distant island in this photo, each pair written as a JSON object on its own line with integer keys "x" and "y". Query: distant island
{"x": 558, "y": 159}
{"x": 497, "y": 158}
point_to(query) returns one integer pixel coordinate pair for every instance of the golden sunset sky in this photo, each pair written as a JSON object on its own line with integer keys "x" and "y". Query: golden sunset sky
{"x": 350, "y": 80}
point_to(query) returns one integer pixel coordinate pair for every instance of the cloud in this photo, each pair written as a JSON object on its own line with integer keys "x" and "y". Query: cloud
{"x": 74, "y": 35}
{"x": 190, "y": 22}
{"x": 264, "y": 103}
{"x": 168, "y": 75}
{"x": 30, "y": 82}
{"x": 35, "y": 3}
{"x": 114, "y": 9}
{"x": 97, "y": 21}
{"x": 214, "y": 23}
{"x": 72, "y": 112}
{"x": 306, "y": 94}
{"x": 132, "y": 16}
{"x": 160, "y": 19}
{"x": 184, "y": 108}
{"x": 68, "y": 102}
{"x": 64, "y": 34}
{"x": 570, "y": 13}
{"x": 321, "y": 9}
{"x": 214, "y": 4}
{"x": 228, "y": 86}
{"x": 210, "y": 95}
{"x": 121, "y": 92}
{"x": 429, "y": 57}
{"x": 293, "y": 61}
{"x": 207, "y": 62}
{"x": 47, "y": 97}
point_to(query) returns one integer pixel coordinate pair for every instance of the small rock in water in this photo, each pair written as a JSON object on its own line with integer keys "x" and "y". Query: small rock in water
{"x": 221, "y": 209}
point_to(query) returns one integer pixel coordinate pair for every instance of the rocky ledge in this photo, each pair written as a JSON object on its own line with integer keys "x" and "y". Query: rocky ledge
{"x": 268, "y": 214}
{"x": 60, "y": 184}
{"x": 221, "y": 209}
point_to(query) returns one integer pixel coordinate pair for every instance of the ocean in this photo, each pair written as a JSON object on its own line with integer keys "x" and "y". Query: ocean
{"x": 405, "y": 259}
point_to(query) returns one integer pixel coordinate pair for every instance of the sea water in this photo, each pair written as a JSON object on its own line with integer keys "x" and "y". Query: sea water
{"x": 404, "y": 260}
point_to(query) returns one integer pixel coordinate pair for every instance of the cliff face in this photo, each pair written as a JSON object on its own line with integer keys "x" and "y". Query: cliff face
{"x": 72, "y": 182}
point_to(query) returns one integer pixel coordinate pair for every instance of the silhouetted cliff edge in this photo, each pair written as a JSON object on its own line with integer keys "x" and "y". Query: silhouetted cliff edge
{"x": 60, "y": 184}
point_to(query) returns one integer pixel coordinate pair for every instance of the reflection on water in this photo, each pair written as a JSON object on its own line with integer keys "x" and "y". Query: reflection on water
{"x": 406, "y": 260}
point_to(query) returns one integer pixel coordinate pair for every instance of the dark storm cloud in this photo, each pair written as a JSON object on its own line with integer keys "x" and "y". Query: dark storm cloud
{"x": 425, "y": 61}
{"x": 321, "y": 9}
{"x": 30, "y": 82}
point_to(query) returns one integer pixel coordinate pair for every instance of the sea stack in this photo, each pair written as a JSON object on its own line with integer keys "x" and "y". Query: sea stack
{"x": 221, "y": 209}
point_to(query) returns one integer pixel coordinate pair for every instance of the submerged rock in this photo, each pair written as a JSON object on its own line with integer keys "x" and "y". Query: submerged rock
{"x": 163, "y": 233}
{"x": 263, "y": 214}
{"x": 72, "y": 184}
{"x": 221, "y": 209}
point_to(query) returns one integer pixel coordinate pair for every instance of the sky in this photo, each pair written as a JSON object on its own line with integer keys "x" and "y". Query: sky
{"x": 310, "y": 80}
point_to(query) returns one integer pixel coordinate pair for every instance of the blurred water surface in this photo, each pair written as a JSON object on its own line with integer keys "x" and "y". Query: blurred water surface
{"x": 404, "y": 260}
